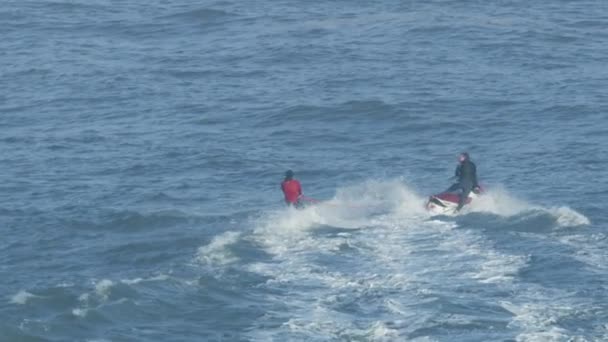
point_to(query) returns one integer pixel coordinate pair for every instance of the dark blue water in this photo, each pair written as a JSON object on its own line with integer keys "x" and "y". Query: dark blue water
{"x": 143, "y": 143}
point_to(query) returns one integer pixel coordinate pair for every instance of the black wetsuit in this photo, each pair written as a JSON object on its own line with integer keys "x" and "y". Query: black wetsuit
{"x": 466, "y": 172}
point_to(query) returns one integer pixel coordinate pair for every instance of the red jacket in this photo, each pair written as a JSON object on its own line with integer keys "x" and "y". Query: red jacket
{"x": 292, "y": 190}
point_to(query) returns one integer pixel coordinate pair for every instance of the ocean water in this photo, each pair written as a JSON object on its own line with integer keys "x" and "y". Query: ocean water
{"x": 143, "y": 143}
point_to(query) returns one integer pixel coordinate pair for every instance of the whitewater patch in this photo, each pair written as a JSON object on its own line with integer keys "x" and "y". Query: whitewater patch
{"x": 538, "y": 318}
{"x": 376, "y": 202}
{"x": 217, "y": 252}
{"x": 499, "y": 201}
{"x": 135, "y": 281}
{"x": 398, "y": 223}
{"x": 106, "y": 291}
{"x": 567, "y": 217}
{"x": 342, "y": 329}
{"x": 80, "y": 312}
{"x": 590, "y": 249}
{"x": 103, "y": 288}
{"x": 391, "y": 249}
{"x": 22, "y": 297}
{"x": 354, "y": 207}
{"x": 373, "y": 248}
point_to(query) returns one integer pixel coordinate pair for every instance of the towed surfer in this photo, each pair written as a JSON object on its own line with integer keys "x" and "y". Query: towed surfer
{"x": 466, "y": 173}
{"x": 292, "y": 190}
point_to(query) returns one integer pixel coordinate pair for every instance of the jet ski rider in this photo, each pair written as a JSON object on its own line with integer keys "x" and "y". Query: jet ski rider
{"x": 466, "y": 173}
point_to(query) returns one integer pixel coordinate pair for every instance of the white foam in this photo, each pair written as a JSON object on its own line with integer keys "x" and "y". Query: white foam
{"x": 132, "y": 281}
{"x": 287, "y": 231}
{"x": 538, "y": 312}
{"x": 375, "y": 193}
{"x": 135, "y": 281}
{"x": 80, "y": 312}
{"x": 567, "y": 217}
{"x": 380, "y": 332}
{"x": 352, "y": 207}
{"x": 217, "y": 251}
{"x": 65, "y": 284}
{"x": 83, "y": 297}
{"x": 390, "y": 196}
{"x": 483, "y": 262}
{"x": 22, "y": 297}
{"x": 326, "y": 324}
{"x": 589, "y": 249}
{"x": 288, "y": 236}
{"x": 103, "y": 288}
{"x": 499, "y": 268}
{"x": 396, "y": 248}
{"x": 499, "y": 202}
{"x": 553, "y": 334}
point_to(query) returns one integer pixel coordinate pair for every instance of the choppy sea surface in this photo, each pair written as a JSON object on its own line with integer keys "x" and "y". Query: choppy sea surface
{"x": 142, "y": 144}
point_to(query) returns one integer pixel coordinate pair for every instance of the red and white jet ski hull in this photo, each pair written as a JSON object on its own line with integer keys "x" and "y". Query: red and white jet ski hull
{"x": 446, "y": 203}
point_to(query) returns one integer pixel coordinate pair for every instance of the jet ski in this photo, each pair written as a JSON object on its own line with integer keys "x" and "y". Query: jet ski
{"x": 445, "y": 203}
